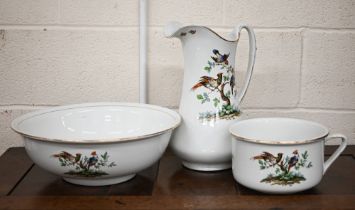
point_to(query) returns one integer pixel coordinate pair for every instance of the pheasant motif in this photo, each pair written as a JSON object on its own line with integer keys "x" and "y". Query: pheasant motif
{"x": 68, "y": 157}
{"x": 209, "y": 82}
{"x": 270, "y": 158}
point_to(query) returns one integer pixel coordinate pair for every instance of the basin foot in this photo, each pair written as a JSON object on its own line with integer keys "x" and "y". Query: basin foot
{"x": 99, "y": 182}
{"x": 206, "y": 166}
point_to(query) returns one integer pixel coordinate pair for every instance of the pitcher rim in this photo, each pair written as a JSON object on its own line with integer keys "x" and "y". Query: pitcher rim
{"x": 205, "y": 27}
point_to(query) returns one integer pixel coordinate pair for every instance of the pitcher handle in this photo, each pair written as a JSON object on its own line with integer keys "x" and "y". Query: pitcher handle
{"x": 337, "y": 152}
{"x": 252, "y": 52}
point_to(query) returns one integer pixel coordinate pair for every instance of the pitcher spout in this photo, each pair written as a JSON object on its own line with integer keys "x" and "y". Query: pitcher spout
{"x": 175, "y": 29}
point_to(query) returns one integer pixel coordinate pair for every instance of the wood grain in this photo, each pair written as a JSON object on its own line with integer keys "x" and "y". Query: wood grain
{"x": 179, "y": 202}
{"x": 14, "y": 165}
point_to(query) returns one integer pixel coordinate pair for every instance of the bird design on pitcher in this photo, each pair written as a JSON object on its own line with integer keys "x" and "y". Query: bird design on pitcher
{"x": 209, "y": 82}
{"x": 219, "y": 58}
{"x": 220, "y": 89}
{"x": 286, "y": 168}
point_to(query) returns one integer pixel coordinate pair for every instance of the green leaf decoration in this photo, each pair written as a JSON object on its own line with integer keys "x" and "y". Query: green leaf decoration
{"x": 105, "y": 156}
{"x": 199, "y": 97}
{"x": 208, "y": 69}
{"x": 216, "y": 101}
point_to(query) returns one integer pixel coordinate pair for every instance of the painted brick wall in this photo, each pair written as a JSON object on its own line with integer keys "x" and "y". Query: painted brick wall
{"x": 55, "y": 52}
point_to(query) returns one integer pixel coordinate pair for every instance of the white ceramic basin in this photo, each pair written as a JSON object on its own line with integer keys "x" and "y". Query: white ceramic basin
{"x": 98, "y": 143}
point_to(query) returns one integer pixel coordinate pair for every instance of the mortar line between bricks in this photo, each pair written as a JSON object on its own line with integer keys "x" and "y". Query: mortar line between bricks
{"x": 305, "y": 27}
{"x": 279, "y": 109}
{"x": 270, "y": 28}
{"x": 24, "y": 107}
{"x": 300, "y": 94}
{"x": 68, "y": 27}
{"x": 299, "y": 109}
{"x": 135, "y": 27}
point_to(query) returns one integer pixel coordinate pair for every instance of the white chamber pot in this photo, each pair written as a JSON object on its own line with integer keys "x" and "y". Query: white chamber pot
{"x": 280, "y": 155}
{"x": 97, "y": 144}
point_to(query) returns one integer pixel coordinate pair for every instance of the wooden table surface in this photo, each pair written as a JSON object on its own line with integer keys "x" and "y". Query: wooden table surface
{"x": 166, "y": 185}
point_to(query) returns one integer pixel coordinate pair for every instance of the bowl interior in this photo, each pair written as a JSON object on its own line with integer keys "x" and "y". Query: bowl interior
{"x": 97, "y": 122}
{"x": 274, "y": 130}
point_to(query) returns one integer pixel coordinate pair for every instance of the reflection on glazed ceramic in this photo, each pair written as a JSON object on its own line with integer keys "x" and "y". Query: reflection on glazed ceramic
{"x": 286, "y": 168}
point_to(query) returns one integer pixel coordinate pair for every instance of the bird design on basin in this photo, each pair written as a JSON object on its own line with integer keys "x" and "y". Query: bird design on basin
{"x": 84, "y": 166}
{"x": 286, "y": 168}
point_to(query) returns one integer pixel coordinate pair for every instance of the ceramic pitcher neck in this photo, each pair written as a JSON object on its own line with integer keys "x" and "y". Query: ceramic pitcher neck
{"x": 200, "y": 44}
{"x": 176, "y": 30}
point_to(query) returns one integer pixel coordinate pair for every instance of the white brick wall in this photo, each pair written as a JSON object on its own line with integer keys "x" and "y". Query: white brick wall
{"x": 55, "y": 52}
{"x": 328, "y": 73}
{"x": 61, "y": 66}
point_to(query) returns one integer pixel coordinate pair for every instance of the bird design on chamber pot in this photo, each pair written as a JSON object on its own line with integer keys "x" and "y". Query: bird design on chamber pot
{"x": 286, "y": 168}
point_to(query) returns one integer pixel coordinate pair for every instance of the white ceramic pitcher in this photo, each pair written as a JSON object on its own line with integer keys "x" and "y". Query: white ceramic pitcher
{"x": 209, "y": 101}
